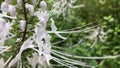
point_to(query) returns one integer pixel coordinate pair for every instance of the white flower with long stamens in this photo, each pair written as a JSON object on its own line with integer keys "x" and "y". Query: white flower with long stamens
{"x": 47, "y": 48}
{"x": 40, "y": 43}
{"x": 44, "y": 46}
{"x": 4, "y": 34}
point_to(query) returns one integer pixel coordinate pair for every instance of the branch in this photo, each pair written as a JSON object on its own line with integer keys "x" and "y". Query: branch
{"x": 26, "y": 19}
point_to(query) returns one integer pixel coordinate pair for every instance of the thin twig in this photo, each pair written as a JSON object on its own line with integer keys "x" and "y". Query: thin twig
{"x": 26, "y": 19}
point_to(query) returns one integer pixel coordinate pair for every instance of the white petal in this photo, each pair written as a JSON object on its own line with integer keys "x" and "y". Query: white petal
{"x": 4, "y": 7}
{"x": 1, "y": 63}
{"x": 27, "y": 44}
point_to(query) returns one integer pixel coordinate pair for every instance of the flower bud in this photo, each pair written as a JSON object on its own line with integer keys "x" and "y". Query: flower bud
{"x": 12, "y": 10}
{"x": 30, "y": 8}
{"x": 22, "y": 24}
{"x": 4, "y": 7}
{"x": 43, "y": 5}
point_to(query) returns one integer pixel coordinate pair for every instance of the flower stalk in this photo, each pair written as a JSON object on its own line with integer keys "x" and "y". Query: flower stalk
{"x": 26, "y": 19}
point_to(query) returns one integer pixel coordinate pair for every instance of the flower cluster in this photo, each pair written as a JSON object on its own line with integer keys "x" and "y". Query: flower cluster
{"x": 63, "y": 7}
{"x": 6, "y": 26}
{"x": 40, "y": 40}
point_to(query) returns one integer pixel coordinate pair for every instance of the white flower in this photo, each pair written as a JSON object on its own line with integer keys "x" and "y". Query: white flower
{"x": 42, "y": 15}
{"x": 60, "y": 7}
{"x": 42, "y": 39}
{"x": 45, "y": 49}
{"x": 30, "y": 8}
{"x": 4, "y": 7}
{"x": 98, "y": 32}
{"x": 22, "y": 24}
{"x": 4, "y": 34}
{"x": 12, "y": 10}
{"x": 43, "y": 5}
{"x": 4, "y": 28}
